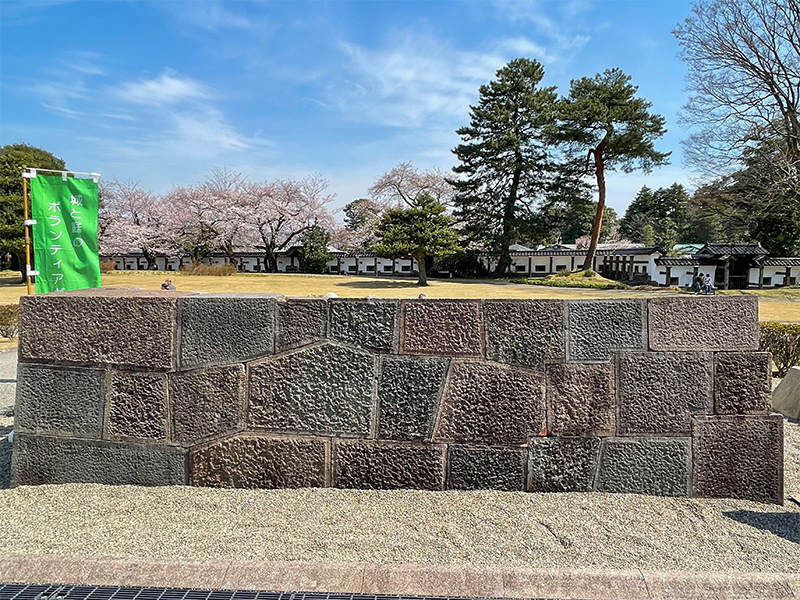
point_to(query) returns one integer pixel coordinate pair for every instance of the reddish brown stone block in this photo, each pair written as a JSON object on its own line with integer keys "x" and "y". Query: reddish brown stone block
{"x": 580, "y": 400}
{"x": 388, "y": 465}
{"x": 441, "y": 327}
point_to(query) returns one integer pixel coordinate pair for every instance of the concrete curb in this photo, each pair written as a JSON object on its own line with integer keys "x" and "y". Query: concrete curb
{"x": 396, "y": 579}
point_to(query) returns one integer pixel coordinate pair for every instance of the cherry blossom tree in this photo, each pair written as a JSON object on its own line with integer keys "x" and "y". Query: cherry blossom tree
{"x": 405, "y": 185}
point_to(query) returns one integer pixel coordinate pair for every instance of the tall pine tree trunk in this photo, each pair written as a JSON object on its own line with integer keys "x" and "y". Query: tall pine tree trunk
{"x": 599, "y": 171}
{"x": 509, "y": 212}
{"x": 422, "y": 278}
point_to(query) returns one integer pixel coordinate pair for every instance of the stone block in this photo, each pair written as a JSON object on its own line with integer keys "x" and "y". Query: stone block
{"x": 387, "y": 465}
{"x": 206, "y": 403}
{"x": 528, "y": 333}
{"x": 739, "y": 456}
{"x": 786, "y": 396}
{"x": 486, "y": 468}
{"x": 136, "y": 405}
{"x": 442, "y": 327}
{"x": 703, "y": 323}
{"x": 486, "y": 403}
{"x": 742, "y": 382}
{"x": 252, "y": 461}
{"x": 596, "y": 329}
{"x": 41, "y": 460}
{"x": 654, "y": 466}
{"x": 408, "y": 392}
{"x": 581, "y": 399}
{"x": 222, "y": 329}
{"x": 59, "y": 400}
{"x": 324, "y": 390}
{"x": 562, "y": 464}
{"x": 301, "y": 321}
{"x": 133, "y": 331}
{"x": 367, "y": 323}
{"x": 660, "y": 391}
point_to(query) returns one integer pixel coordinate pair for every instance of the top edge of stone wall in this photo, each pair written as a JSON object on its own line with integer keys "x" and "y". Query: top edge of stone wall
{"x": 113, "y": 292}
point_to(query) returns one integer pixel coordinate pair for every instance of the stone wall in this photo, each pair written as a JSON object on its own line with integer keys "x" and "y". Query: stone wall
{"x": 631, "y": 395}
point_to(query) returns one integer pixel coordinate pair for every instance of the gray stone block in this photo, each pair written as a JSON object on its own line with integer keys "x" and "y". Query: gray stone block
{"x": 739, "y": 457}
{"x": 596, "y": 329}
{"x": 225, "y": 328}
{"x": 486, "y": 468}
{"x": 442, "y": 327}
{"x": 325, "y": 390}
{"x": 206, "y": 403}
{"x": 136, "y": 405}
{"x": 786, "y": 396}
{"x": 562, "y": 464}
{"x": 41, "y": 460}
{"x": 486, "y": 403}
{"x": 742, "y": 382}
{"x": 252, "y": 461}
{"x": 301, "y": 321}
{"x": 581, "y": 399}
{"x": 367, "y": 323}
{"x": 703, "y": 323}
{"x": 660, "y": 391}
{"x": 408, "y": 392}
{"x": 527, "y": 333}
{"x": 59, "y": 400}
{"x": 654, "y": 466}
{"x": 387, "y": 465}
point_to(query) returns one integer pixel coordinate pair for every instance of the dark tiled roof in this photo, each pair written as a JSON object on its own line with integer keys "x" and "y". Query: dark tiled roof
{"x": 733, "y": 250}
{"x": 570, "y": 252}
{"x": 785, "y": 261}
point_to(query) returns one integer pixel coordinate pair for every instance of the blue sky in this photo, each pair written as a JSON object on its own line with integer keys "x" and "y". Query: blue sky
{"x": 163, "y": 92}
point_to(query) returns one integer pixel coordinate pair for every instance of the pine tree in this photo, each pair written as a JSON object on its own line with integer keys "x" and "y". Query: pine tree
{"x": 314, "y": 257}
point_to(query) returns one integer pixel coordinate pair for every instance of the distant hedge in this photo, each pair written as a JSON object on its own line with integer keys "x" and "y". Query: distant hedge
{"x": 569, "y": 282}
{"x": 783, "y": 340}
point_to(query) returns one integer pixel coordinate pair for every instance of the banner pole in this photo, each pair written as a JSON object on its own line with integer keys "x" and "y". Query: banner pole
{"x": 27, "y": 236}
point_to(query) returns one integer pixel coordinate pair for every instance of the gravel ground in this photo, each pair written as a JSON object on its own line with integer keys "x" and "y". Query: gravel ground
{"x": 451, "y": 528}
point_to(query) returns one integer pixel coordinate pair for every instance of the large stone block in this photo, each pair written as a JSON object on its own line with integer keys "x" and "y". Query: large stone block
{"x": 368, "y": 323}
{"x": 654, "y": 466}
{"x": 486, "y": 403}
{"x": 596, "y": 329}
{"x": 301, "y": 321}
{"x": 660, "y": 391}
{"x": 486, "y": 468}
{"x": 581, "y": 399}
{"x": 135, "y": 331}
{"x": 59, "y": 400}
{"x": 408, "y": 391}
{"x": 207, "y": 403}
{"x": 528, "y": 333}
{"x": 225, "y": 328}
{"x": 325, "y": 390}
{"x": 739, "y": 456}
{"x": 387, "y": 465}
{"x": 443, "y": 327}
{"x": 41, "y": 460}
{"x": 742, "y": 382}
{"x": 703, "y": 323}
{"x": 562, "y": 464}
{"x": 786, "y": 396}
{"x": 252, "y": 461}
{"x": 136, "y": 405}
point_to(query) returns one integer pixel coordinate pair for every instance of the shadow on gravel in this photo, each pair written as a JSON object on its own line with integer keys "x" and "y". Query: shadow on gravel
{"x": 785, "y": 525}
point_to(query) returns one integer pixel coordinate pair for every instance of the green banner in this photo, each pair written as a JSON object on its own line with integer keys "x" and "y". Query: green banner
{"x": 65, "y": 233}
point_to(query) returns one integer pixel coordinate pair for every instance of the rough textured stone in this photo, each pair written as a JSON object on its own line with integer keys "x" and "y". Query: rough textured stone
{"x": 136, "y": 406}
{"x": 43, "y": 460}
{"x": 786, "y": 397}
{"x": 485, "y": 468}
{"x": 528, "y": 333}
{"x": 598, "y": 328}
{"x": 250, "y": 461}
{"x": 739, "y": 457}
{"x": 562, "y": 464}
{"x": 742, "y": 382}
{"x": 486, "y": 403}
{"x": 388, "y": 465}
{"x": 445, "y": 327}
{"x": 59, "y": 400}
{"x": 225, "y": 328}
{"x": 581, "y": 400}
{"x": 654, "y": 466}
{"x": 660, "y": 391}
{"x": 408, "y": 391}
{"x": 206, "y": 403}
{"x": 703, "y": 323}
{"x": 127, "y": 331}
{"x": 367, "y": 323}
{"x": 301, "y": 321}
{"x": 326, "y": 389}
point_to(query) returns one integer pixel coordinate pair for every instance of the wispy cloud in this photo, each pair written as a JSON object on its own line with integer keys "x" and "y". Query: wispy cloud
{"x": 567, "y": 32}
{"x": 167, "y": 88}
{"x": 209, "y": 15}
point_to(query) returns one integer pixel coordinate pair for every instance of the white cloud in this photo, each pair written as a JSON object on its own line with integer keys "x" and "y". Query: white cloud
{"x": 209, "y": 15}
{"x": 165, "y": 89}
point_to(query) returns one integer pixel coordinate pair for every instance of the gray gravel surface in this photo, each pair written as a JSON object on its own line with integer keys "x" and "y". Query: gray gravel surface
{"x": 8, "y": 379}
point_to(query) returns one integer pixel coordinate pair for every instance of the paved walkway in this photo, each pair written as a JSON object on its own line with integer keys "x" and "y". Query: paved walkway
{"x": 8, "y": 378}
